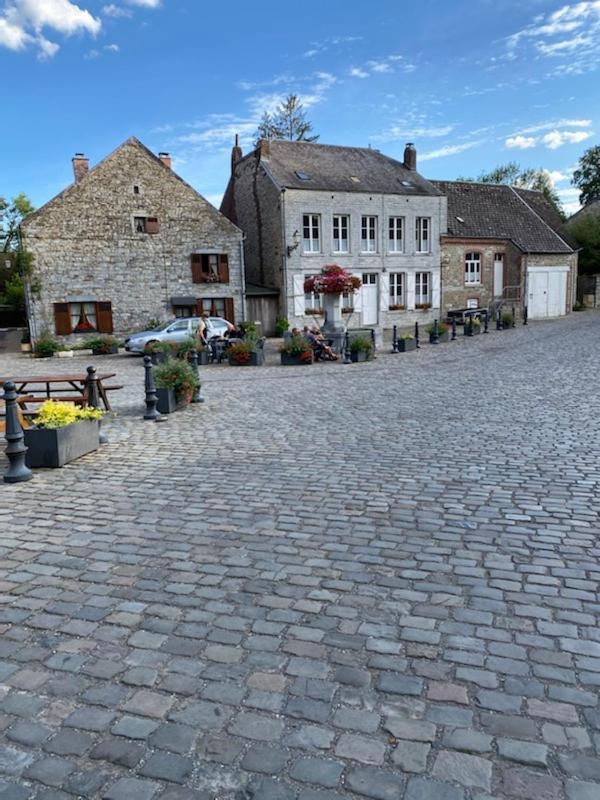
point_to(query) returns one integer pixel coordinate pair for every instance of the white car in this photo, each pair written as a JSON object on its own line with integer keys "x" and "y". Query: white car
{"x": 176, "y": 331}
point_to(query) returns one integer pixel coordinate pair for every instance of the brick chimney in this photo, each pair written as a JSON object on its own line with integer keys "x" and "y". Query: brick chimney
{"x": 81, "y": 166}
{"x": 264, "y": 148}
{"x": 166, "y": 159}
{"x": 236, "y": 152}
{"x": 410, "y": 157}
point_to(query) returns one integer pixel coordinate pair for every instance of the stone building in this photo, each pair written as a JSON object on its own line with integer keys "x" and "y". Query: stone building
{"x": 129, "y": 241}
{"x": 505, "y": 246}
{"x": 303, "y": 206}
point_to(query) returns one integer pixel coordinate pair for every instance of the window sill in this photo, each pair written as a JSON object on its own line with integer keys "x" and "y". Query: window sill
{"x": 396, "y": 308}
{"x": 313, "y": 254}
{"x": 368, "y": 253}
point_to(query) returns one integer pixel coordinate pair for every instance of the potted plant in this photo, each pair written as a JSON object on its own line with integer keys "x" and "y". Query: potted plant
{"x": 406, "y": 343}
{"x": 46, "y": 346}
{"x": 361, "y": 348}
{"x": 397, "y": 307}
{"x": 296, "y": 350}
{"x": 26, "y": 341}
{"x": 422, "y": 306}
{"x": 247, "y": 353}
{"x": 249, "y": 328}
{"x": 332, "y": 283}
{"x": 507, "y": 320}
{"x": 175, "y": 384}
{"x": 472, "y": 327}
{"x": 159, "y": 351}
{"x": 62, "y": 433}
{"x": 443, "y": 332}
{"x": 185, "y": 349}
{"x": 281, "y": 325}
{"x": 103, "y": 345}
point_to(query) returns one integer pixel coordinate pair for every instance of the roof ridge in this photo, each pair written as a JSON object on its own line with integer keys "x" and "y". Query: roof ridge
{"x": 541, "y": 219}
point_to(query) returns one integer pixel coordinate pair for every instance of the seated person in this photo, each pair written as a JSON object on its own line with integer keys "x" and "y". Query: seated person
{"x": 319, "y": 346}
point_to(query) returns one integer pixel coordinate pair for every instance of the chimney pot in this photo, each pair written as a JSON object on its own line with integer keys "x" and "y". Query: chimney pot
{"x": 410, "y": 157}
{"x": 81, "y": 166}
{"x": 236, "y": 152}
{"x": 166, "y": 159}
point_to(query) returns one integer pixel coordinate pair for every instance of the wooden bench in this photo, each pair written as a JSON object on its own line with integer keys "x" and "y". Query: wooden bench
{"x": 21, "y": 414}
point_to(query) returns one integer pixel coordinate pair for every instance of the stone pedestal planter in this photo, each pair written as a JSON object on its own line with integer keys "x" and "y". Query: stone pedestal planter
{"x": 332, "y": 307}
{"x": 288, "y": 360}
{"x": 56, "y": 447}
{"x": 257, "y": 359}
{"x": 167, "y": 401}
{"x": 406, "y": 345}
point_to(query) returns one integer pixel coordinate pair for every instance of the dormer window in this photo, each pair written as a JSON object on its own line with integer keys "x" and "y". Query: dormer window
{"x": 303, "y": 176}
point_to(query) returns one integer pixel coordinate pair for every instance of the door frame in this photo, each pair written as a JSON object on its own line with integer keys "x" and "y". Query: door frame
{"x": 375, "y": 292}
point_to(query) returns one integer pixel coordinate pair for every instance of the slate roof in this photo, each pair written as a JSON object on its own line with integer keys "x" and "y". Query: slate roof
{"x": 332, "y": 168}
{"x": 497, "y": 211}
{"x": 591, "y": 209}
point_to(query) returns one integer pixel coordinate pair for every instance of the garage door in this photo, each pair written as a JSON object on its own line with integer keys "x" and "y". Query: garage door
{"x": 547, "y": 292}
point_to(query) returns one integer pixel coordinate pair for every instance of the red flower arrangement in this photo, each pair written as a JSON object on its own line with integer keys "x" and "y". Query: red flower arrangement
{"x": 332, "y": 280}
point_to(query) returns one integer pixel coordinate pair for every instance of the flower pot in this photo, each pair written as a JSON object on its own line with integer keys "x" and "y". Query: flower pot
{"x": 289, "y": 360}
{"x": 56, "y": 447}
{"x": 202, "y": 358}
{"x": 359, "y": 356}
{"x": 113, "y": 350}
{"x": 443, "y": 337}
{"x": 406, "y": 345}
{"x": 167, "y": 401}
{"x": 257, "y": 359}
{"x": 160, "y": 357}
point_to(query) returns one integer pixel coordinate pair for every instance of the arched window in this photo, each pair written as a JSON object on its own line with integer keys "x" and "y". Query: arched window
{"x": 472, "y": 268}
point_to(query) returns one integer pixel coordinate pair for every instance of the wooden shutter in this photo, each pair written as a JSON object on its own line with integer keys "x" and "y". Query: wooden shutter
{"x": 151, "y": 225}
{"x": 224, "y": 268}
{"x": 197, "y": 268}
{"x": 62, "y": 319}
{"x": 229, "y": 310}
{"x": 104, "y": 321}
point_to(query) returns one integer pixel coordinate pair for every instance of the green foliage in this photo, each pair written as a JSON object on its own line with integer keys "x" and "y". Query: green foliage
{"x": 46, "y": 346}
{"x": 248, "y": 327}
{"x": 53, "y": 414}
{"x": 281, "y": 325}
{"x": 586, "y": 230}
{"x": 101, "y": 344}
{"x": 189, "y": 345}
{"x": 295, "y": 346}
{"x": 288, "y": 121}
{"x": 406, "y": 336}
{"x": 14, "y": 292}
{"x": 361, "y": 344}
{"x": 177, "y": 375}
{"x": 442, "y": 328}
{"x": 512, "y": 174}
{"x": 159, "y": 347}
{"x": 11, "y": 215}
{"x": 507, "y": 318}
{"x": 153, "y": 324}
{"x": 587, "y": 175}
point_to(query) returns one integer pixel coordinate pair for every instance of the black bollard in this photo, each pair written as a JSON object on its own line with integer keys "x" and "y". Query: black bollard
{"x": 93, "y": 400}
{"x": 395, "y": 339}
{"x": 435, "y": 339}
{"x": 453, "y": 328}
{"x": 514, "y": 320}
{"x": 524, "y": 315}
{"x": 486, "y": 322}
{"x": 16, "y": 450}
{"x": 417, "y": 335}
{"x": 347, "y": 359}
{"x": 498, "y": 320}
{"x": 196, "y": 397}
{"x": 151, "y": 399}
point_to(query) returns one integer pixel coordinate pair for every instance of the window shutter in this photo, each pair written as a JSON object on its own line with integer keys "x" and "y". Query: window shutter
{"x": 151, "y": 225}
{"x": 197, "y": 268}
{"x": 62, "y": 319}
{"x": 104, "y": 320}
{"x": 358, "y": 297}
{"x": 224, "y": 268}
{"x": 199, "y": 309}
{"x": 435, "y": 289}
{"x": 298, "y": 295}
{"x": 384, "y": 290}
{"x": 410, "y": 291}
{"x": 229, "y": 309}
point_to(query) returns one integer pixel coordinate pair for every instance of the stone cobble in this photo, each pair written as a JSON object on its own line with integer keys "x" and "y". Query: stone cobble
{"x": 368, "y": 581}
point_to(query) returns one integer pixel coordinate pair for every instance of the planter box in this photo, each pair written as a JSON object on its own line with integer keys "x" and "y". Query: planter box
{"x": 55, "y": 448}
{"x": 160, "y": 358}
{"x": 257, "y": 359}
{"x": 444, "y": 337}
{"x": 360, "y": 356}
{"x": 167, "y": 402}
{"x": 288, "y": 360}
{"x": 507, "y": 326}
{"x": 64, "y": 353}
{"x": 406, "y": 345}
{"x": 112, "y": 351}
{"x": 202, "y": 358}
{"x": 474, "y": 331}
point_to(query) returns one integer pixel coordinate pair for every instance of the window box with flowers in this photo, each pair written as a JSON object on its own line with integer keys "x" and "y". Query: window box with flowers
{"x": 333, "y": 282}
{"x": 249, "y": 352}
{"x": 62, "y": 432}
{"x": 422, "y": 306}
{"x": 296, "y": 350}
{"x": 397, "y": 307}
{"x": 406, "y": 343}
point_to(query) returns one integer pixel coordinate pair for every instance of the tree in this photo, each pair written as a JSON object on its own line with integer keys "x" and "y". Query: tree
{"x": 11, "y": 216}
{"x": 512, "y": 174}
{"x": 587, "y": 175}
{"x": 287, "y": 122}
{"x": 586, "y": 230}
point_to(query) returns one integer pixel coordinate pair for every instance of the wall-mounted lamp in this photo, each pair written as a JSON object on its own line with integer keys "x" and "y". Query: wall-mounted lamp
{"x": 292, "y": 247}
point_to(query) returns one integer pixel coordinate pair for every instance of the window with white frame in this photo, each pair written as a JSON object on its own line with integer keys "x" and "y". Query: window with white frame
{"x": 368, "y": 236}
{"x": 472, "y": 268}
{"x": 311, "y": 236}
{"x": 422, "y": 230}
{"x": 312, "y": 301}
{"x": 341, "y": 227}
{"x": 396, "y": 235}
{"x": 397, "y": 291}
{"x": 422, "y": 289}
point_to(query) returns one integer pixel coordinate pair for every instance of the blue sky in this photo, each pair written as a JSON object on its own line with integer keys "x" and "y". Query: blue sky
{"x": 473, "y": 83}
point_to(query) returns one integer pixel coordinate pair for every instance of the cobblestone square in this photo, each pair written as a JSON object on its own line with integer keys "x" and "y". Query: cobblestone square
{"x": 338, "y": 581}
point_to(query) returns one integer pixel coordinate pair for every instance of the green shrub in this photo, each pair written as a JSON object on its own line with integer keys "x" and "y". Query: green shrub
{"x": 442, "y": 328}
{"x": 159, "y": 347}
{"x": 102, "y": 344}
{"x": 185, "y": 348}
{"x": 295, "y": 346}
{"x": 507, "y": 318}
{"x": 406, "y": 336}
{"x": 248, "y": 327}
{"x": 46, "y": 346}
{"x": 177, "y": 375}
{"x": 281, "y": 325}
{"x": 361, "y": 344}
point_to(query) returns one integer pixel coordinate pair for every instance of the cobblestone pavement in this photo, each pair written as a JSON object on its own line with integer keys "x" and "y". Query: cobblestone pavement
{"x": 368, "y": 581}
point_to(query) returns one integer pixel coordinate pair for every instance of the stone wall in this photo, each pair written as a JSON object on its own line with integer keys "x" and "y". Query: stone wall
{"x": 84, "y": 244}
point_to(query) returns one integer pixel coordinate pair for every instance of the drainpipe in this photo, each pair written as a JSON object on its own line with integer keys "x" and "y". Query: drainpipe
{"x": 243, "y": 275}
{"x": 284, "y": 261}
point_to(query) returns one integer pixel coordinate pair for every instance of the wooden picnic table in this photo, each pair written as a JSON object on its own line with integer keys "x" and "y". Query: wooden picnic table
{"x": 31, "y": 386}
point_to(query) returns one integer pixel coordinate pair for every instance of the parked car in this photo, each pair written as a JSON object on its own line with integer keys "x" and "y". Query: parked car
{"x": 176, "y": 330}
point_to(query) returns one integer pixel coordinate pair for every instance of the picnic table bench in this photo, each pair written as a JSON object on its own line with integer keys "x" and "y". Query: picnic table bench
{"x": 70, "y": 388}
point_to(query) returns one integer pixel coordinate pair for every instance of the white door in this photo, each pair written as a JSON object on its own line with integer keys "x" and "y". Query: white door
{"x": 369, "y": 298}
{"x": 547, "y": 292}
{"x": 498, "y": 275}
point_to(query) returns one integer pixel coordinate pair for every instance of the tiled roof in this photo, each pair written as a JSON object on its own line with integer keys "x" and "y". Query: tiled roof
{"x": 497, "y": 211}
{"x": 306, "y": 165}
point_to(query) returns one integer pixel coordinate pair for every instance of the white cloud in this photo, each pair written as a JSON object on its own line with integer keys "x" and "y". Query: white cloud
{"x": 22, "y": 23}
{"x": 449, "y": 150}
{"x": 556, "y": 139}
{"x": 520, "y": 142}
{"x": 380, "y": 66}
{"x": 113, "y": 48}
{"x": 558, "y": 48}
{"x": 144, "y": 3}
{"x": 404, "y": 131}
{"x": 13, "y": 36}
{"x": 357, "y": 72}
{"x": 556, "y": 176}
{"x": 557, "y": 123}
{"x": 117, "y": 12}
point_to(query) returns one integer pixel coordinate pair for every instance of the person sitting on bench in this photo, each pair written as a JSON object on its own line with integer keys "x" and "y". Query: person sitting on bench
{"x": 320, "y": 348}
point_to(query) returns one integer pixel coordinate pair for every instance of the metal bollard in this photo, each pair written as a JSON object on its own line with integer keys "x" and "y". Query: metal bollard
{"x": 395, "y": 339}
{"x": 151, "y": 399}
{"x": 347, "y": 359}
{"x": 418, "y": 346}
{"x": 453, "y": 337}
{"x": 486, "y": 322}
{"x": 514, "y": 321}
{"x": 524, "y": 315}
{"x": 16, "y": 450}
{"x": 196, "y": 397}
{"x": 435, "y": 339}
{"x": 498, "y": 320}
{"x": 93, "y": 400}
